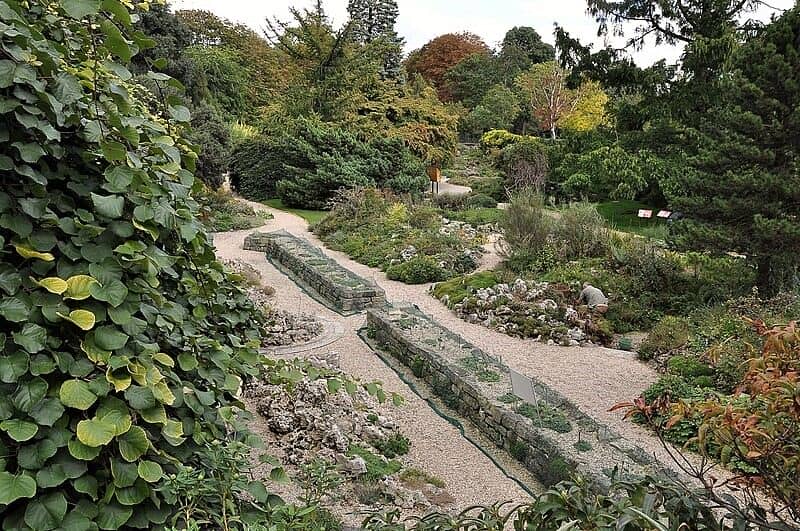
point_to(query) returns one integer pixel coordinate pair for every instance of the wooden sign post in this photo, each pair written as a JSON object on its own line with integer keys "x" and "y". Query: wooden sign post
{"x": 435, "y": 174}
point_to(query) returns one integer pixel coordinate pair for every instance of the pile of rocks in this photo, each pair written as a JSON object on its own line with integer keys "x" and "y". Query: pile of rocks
{"x": 285, "y": 328}
{"x": 307, "y": 422}
{"x": 526, "y": 309}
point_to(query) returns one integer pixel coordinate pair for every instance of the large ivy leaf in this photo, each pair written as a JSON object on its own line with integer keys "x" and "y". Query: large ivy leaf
{"x": 83, "y": 319}
{"x": 76, "y": 394}
{"x": 47, "y": 412}
{"x": 34, "y": 456}
{"x": 133, "y": 444}
{"x": 31, "y": 338}
{"x": 110, "y": 206}
{"x": 150, "y": 471}
{"x": 46, "y": 512}
{"x": 110, "y": 338}
{"x": 14, "y": 487}
{"x": 86, "y": 485}
{"x": 95, "y": 432}
{"x": 29, "y": 394}
{"x": 54, "y": 285}
{"x": 79, "y": 287}
{"x": 80, "y": 8}
{"x": 112, "y": 292}
{"x": 14, "y": 309}
{"x": 80, "y": 451}
{"x": 113, "y": 516}
{"x": 13, "y": 366}
{"x": 19, "y": 430}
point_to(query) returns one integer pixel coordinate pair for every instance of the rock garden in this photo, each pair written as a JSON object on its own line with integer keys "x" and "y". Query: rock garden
{"x": 410, "y": 240}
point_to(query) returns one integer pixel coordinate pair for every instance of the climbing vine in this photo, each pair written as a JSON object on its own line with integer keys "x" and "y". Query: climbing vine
{"x": 123, "y": 345}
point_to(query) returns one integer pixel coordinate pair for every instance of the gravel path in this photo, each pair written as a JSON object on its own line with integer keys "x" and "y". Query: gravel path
{"x": 594, "y": 378}
{"x": 436, "y": 446}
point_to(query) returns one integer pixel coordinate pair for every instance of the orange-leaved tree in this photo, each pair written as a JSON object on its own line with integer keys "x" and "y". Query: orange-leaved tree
{"x": 438, "y": 56}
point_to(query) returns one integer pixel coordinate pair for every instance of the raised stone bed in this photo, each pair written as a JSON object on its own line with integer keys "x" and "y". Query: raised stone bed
{"x": 553, "y": 440}
{"x": 332, "y": 284}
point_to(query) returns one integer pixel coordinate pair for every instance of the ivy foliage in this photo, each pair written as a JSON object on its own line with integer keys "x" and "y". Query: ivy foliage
{"x": 123, "y": 345}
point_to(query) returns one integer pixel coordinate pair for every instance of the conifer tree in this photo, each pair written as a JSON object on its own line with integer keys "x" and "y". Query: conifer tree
{"x": 741, "y": 190}
{"x": 373, "y": 23}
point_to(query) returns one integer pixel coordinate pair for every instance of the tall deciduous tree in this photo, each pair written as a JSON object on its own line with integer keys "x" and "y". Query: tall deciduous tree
{"x": 437, "y": 57}
{"x": 742, "y": 192}
{"x": 545, "y": 90}
{"x": 373, "y": 21}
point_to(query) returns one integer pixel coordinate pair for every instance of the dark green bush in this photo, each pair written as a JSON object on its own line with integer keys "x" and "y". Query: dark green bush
{"x": 307, "y": 163}
{"x": 211, "y": 136}
{"x": 418, "y": 270}
{"x": 525, "y": 164}
{"x": 669, "y": 335}
{"x": 257, "y": 164}
{"x": 480, "y": 200}
{"x": 688, "y": 367}
{"x": 394, "y": 445}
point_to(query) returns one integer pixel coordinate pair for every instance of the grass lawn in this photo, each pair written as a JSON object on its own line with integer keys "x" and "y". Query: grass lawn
{"x": 623, "y": 216}
{"x": 312, "y": 216}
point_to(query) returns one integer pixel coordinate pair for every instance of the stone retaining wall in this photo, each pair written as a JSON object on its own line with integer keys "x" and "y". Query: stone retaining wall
{"x": 437, "y": 356}
{"x": 337, "y": 287}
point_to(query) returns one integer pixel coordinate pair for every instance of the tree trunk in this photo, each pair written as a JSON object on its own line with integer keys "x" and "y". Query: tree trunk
{"x": 764, "y": 277}
{"x": 553, "y": 131}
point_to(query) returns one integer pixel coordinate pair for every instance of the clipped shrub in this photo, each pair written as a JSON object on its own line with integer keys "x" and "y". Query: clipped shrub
{"x": 211, "y": 136}
{"x": 331, "y": 158}
{"x": 581, "y": 232}
{"x": 688, "y": 367}
{"x": 481, "y": 200}
{"x": 257, "y": 164}
{"x": 418, "y": 270}
{"x": 123, "y": 344}
{"x": 497, "y": 139}
{"x": 526, "y": 226}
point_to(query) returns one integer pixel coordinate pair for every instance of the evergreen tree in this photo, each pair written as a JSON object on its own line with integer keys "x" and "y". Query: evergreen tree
{"x": 373, "y": 23}
{"x": 741, "y": 191}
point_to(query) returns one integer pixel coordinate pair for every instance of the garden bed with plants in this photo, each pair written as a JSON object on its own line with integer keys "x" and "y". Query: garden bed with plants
{"x": 549, "y": 257}
{"x": 221, "y": 212}
{"x": 409, "y": 240}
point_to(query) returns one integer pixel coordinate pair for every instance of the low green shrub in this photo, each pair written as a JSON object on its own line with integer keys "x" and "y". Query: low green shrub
{"x": 497, "y": 139}
{"x": 221, "y": 212}
{"x": 405, "y": 238}
{"x": 377, "y": 467}
{"x": 688, "y": 367}
{"x": 418, "y": 270}
{"x": 415, "y": 476}
{"x": 476, "y": 216}
{"x": 492, "y": 186}
{"x": 394, "y": 445}
{"x": 480, "y": 200}
{"x": 545, "y": 416}
{"x": 669, "y": 335}
{"x": 459, "y": 288}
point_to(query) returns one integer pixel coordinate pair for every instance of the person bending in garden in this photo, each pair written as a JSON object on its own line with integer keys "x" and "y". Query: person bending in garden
{"x": 593, "y": 298}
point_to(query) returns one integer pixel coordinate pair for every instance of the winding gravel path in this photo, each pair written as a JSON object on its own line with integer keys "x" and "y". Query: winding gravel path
{"x": 594, "y": 378}
{"x": 436, "y": 446}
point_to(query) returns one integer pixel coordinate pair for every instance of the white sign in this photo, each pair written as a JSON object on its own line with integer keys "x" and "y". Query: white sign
{"x": 647, "y": 214}
{"x": 522, "y": 386}
{"x": 664, "y": 214}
